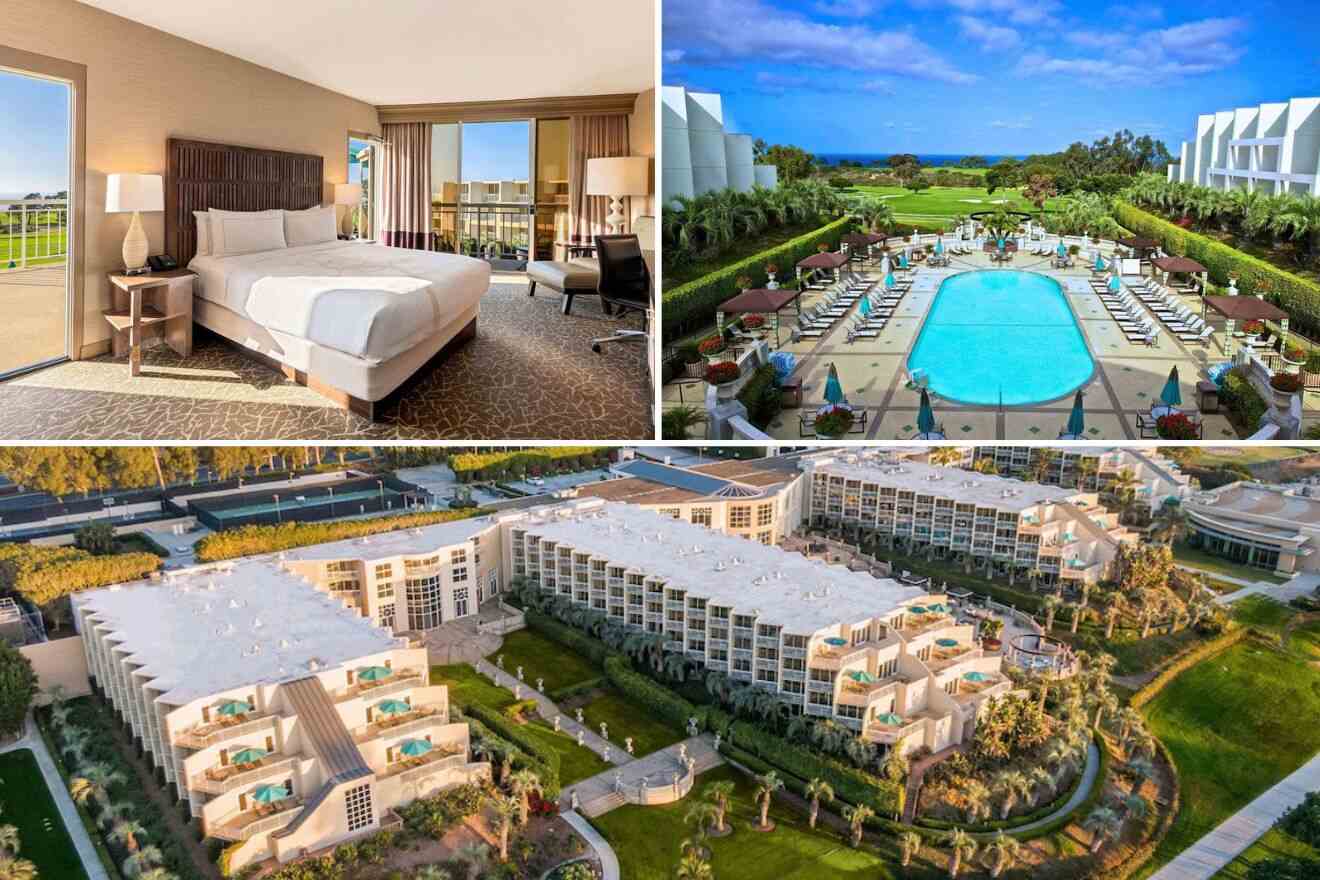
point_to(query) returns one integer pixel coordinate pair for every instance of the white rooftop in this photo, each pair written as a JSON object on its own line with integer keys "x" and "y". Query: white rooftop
{"x": 986, "y": 490}
{"x": 800, "y": 594}
{"x": 202, "y": 631}
{"x": 403, "y": 542}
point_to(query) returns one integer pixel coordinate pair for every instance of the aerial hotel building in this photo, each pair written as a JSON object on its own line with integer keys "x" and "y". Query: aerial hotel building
{"x": 1155, "y": 478}
{"x": 285, "y": 720}
{"x": 883, "y": 658}
{"x": 1270, "y": 527}
{"x": 1009, "y": 524}
{"x": 698, "y": 154}
{"x": 1270, "y": 148}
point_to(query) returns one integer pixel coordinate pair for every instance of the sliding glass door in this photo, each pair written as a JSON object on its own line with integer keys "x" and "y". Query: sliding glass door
{"x": 36, "y": 115}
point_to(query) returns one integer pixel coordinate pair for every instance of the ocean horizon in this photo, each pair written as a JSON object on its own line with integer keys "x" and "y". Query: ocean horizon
{"x": 929, "y": 160}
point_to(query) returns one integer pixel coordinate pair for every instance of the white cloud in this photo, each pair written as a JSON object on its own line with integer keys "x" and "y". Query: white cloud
{"x": 1014, "y": 11}
{"x": 779, "y": 84}
{"x": 845, "y": 8}
{"x": 673, "y": 56}
{"x": 724, "y": 32}
{"x": 988, "y": 36}
{"x": 1019, "y": 123}
{"x": 1145, "y": 58}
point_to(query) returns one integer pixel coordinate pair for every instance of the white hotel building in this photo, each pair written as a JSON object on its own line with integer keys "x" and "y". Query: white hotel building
{"x": 698, "y": 154}
{"x": 1269, "y": 148}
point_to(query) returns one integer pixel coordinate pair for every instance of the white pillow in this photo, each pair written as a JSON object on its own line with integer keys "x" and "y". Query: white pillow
{"x": 203, "y": 233}
{"x": 246, "y": 232}
{"x": 312, "y": 226}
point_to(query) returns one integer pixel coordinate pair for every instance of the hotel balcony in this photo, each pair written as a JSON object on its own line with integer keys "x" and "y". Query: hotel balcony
{"x": 434, "y": 761}
{"x": 925, "y": 623}
{"x": 420, "y": 718}
{"x": 946, "y": 658}
{"x": 976, "y": 694}
{"x": 830, "y": 657}
{"x": 893, "y": 734}
{"x": 218, "y": 780}
{"x": 401, "y": 680}
{"x": 202, "y": 736}
{"x": 261, "y": 820}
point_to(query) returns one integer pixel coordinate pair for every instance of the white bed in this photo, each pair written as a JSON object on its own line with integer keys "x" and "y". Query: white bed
{"x": 349, "y": 316}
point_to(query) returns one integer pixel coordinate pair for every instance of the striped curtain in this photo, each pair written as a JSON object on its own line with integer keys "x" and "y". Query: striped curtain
{"x": 405, "y": 173}
{"x": 592, "y": 137}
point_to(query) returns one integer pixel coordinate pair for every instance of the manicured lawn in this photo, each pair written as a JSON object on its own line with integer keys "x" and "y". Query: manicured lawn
{"x": 1274, "y": 844}
{"x": 624, "y": 720}
{"x": 1262, "y": 612}
{"x": 1212, "y": 456}
{"x": 646, "y": 840}
{"x": 575, "y": 762}
{"x": 467, "y": 686}
{"x": 1192, "y": 556}
{"x": 539, "y": 656}
{"x": 38, "y": 246}
{"x": 30, "y": 807}
{"x": 950, "y": 201}
{"x": 1231, "y": 724}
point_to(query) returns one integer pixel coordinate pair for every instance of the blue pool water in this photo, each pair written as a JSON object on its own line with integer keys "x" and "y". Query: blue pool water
{"x": 998, "y": 331}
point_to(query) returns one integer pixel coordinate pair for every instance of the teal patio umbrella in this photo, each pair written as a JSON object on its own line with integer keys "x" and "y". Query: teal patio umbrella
{"x": 939, "y": 246}
{"x": 889, "y": 719}
{"x": 902, "y": 261}
{"x": 925, "y": 415}
{"x": 1099, "y": 263}
{"x": 375, "y": 673}
{"x": 833, "y": 390}
{"x": 1076, "y": 420}
{"x": 937, "y": 607}
{"x": 865, "y": 306}
{"x": 889, "y": 279}
{"x": 270, "y": 794}
{"x": 836, "y": 642}
{"x": 415, "y": 748}
{"x": 1115, "y": 284}
{"x": 393, "y": 707}
{"x": 947, "y": 643}
{"x": 1061, "y": 250}
{"x": 1170, "y": 395}
{"x": 976, "y": 676}
{"x": 248, "y": 756}
{"x": 918, "y": 609}
{"x": 231, "y": 708}
{"x": 862, "y": 677}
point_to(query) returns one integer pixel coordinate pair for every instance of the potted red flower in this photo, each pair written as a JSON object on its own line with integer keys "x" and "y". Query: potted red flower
{"x": 1285, "y": 385}
{"x": 834, "y": 423}
{"x": 753, "y": 322}
{"x": 722, "y": 373}
{"x": 1176, "y": 426}
{"x": 771, "y": 270}
{"x": 712, "y": 347}
{"x": 1293, "y": 357}
{"x": 823, "y": 247}
{"x": 1253, "y": 328}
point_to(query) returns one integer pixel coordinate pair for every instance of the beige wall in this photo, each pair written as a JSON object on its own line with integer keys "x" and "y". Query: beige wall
{"x": 61, "y": 662}
{"x": 145, "y": 86}
{"x": 641, "y": 138}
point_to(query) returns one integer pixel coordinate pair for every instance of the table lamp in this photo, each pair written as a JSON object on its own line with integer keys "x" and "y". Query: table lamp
{"x": 617, "y": 177}
{"x": 350, "y": 195}
{"x": 135, "y": 193}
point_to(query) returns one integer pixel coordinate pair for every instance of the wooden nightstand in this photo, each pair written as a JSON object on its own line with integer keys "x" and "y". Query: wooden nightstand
{"x": 158, "y": 304}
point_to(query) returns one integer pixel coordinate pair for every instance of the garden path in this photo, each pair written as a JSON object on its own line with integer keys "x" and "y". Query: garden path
{"x": 31, "y": 739}
{"x": 1300, "y": 585}
{"x": 597, "y": 794}
{"x": 609, "y": 862}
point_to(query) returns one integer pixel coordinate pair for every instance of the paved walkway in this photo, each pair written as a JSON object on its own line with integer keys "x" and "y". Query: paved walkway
{"x": 1089, "y": 776}
{"x": 31, "y": 739}
{"x": 609, "y": 862}
{"x": 1295, "y": 587}
{"x": 658, "y": 769}
{"x": 1211, "y": 853}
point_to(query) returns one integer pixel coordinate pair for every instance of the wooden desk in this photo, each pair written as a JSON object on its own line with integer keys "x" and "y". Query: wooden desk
{"x": 156, "y": 304}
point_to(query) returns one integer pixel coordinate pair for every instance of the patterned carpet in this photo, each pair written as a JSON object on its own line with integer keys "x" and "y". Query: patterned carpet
{"x": 529, "y": 374}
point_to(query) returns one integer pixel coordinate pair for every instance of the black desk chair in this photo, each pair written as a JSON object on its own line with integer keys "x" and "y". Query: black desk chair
{"x": 625, "y": 284}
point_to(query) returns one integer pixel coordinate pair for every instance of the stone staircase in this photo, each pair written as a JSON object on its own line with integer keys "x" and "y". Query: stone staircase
{"x": 603, "y": 804}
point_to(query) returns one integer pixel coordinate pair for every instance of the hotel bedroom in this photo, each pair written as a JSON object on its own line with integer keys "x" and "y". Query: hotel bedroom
{"x": 352, "y": 220}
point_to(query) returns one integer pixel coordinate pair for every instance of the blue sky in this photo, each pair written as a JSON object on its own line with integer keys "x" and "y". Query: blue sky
{"x": 986, "y": 76}
{"x": 495, "y": 151}
{"x": 34, "y": 116}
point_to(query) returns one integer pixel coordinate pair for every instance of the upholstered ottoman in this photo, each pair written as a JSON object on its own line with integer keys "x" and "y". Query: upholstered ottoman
{"x": 577, "y": 276}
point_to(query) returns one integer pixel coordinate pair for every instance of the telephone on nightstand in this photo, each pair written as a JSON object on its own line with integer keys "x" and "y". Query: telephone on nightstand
{"x": 162, "y": 263}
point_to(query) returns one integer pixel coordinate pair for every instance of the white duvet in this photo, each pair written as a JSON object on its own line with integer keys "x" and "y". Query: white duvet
{"x": 365, "y": 300}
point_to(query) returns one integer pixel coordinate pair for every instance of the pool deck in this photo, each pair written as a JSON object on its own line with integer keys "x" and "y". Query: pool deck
{"x": 1127, "y": 380}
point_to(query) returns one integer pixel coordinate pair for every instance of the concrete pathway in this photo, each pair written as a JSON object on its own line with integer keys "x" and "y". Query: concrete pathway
{"x": 1089, "y": 776}
{"x": 1297, "y": 586}
{"x": 1212, "y": 852}
{"x": 659, "y": 769}
{"x": 609, "y": 862}
{"x": 31, "y": 739}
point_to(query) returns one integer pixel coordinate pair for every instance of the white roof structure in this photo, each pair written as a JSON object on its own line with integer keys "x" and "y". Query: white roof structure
{"x": 802, "y": 595}
{"x": 1003, "y": 493}
{"x": 403, "y": 542}
{"x": 206, "y": 630}
{"x": 1294, "y": 506}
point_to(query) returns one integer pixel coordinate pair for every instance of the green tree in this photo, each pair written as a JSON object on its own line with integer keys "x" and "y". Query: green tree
{"x": 816, "y": 791}
{"x": 18, "y": 686}
{"x": 766, "y": 786}
{"x": 794, "y": 163}
{"x": 97, "y": 538}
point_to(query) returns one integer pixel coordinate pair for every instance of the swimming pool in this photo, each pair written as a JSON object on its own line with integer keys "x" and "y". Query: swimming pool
{"x": 1000, "y": 332}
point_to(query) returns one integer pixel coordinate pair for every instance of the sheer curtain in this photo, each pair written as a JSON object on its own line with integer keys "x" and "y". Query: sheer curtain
{"x": 405, "y": 174}
{"x": 592, "y": 137}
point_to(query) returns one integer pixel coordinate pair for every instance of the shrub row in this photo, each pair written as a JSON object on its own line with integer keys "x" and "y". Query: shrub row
{"x": 1152, "y": 688}
{"x": 469, "y": 466}
{"x": 1295, "y": 295}
{"x": 547, "y": 759}
{"x": 89, "y": 824}
{"x": 655, "y": 699}
{"x": 692, "y": 305}
{"x": 762, "y": 397}
{"x": 42, "y": 574}
{"x": 593, "y": 649}
{"x": 568, "y": 692}
{"x": 253, "y": 539}
{"x": 1242, "y": 399}
{"x": 1087, "y": 804}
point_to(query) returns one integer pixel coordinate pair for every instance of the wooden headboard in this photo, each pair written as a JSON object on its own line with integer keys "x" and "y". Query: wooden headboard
{"x": 201, "y": 175}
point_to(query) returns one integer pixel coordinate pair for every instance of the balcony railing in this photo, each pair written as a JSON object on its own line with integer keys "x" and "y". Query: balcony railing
{"x": 417, "y": 768}
{"x": 402, "y": 680}
{"x": 203, "y": 735}
{"x": 421, "y": 718}
{"x": 494, "y": 230}
{"x": 249, "y": 823}
{"x": 33, "y": 232}
{"x": 219, "y": 780}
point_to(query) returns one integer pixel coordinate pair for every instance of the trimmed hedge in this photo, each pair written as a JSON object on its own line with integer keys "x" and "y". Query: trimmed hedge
{"x": 593, "y": 649}
{"x": 1297, "y": 296}
{"x": 42, "y": 574}
{"x": 1215, "y": 646}
{"x": 1241, "y": 398}
{"x": 693, "y": 304}
{"x": 655, "y": 699}
{"x": 762, "y": 397}
{"x": 469, "y": 466}
{"x": 253, "y": 539}
{"x": 548, "y": 759}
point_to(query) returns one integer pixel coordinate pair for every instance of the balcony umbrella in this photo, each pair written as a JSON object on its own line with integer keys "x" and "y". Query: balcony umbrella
{"x": 1076, "y": 420}
{"x": 918, "y": 609}
{"x": 976, "y": 676}
{"x": 862, "y": 677}
{"x": 833, "y": 390}
{"x": 231, "y": 708}
{"x": 415, "y": 748}
{"x": 375, "y": 673}
{"x": 937, "y": 607}
{"x": 248, "y": 755}
{"x": 889, "y": 719}
{"x": 947, "y": 643}
{"x": 836, "y": 642}
{"x": 393, "y": 707}
{"x": 270, "y": 794}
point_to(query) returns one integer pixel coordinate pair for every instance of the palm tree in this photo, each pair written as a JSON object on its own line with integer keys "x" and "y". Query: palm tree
{"x": 127, "y": 831}
{"x": 701, "y": 815}
{"x": 1103, "y": 823}
{"x": 500, "y": 755}
{"x": 976, "y": 798}
{"x": 1135, "y": 806}
{"x": 817, "y": 789}
{"x": 1300, "y": 218}
{"x": 114, "y": 812}
{"x": 676, "y": 423}
{"x": 506, "y": 809}
{"x": 1040, "y": 776}
{"x": 1104, "y": 701}
{"x": 962, "y": 846}
{"x": 856, "y": 818}
{"x": 693, "y": 867}
{"x": 94, "y": 784}
{"x": 9, "y": 841}
{"x": 13, "y": 868}
{"x": 146, "y": 857}
{"x": 766, "y": 786}
{"x": 521, "y": 785}
{"x": 474, "y": 854}
{"x": 1011, "y": 785}
{"x": 1051, "y": 605}
{"x": 718, "y": 793}
{"x": 945, "y": 456}
{"x": 1129, "y": 720}
{"x": 1004, "y": 851}
{"x": 910, "y": 843}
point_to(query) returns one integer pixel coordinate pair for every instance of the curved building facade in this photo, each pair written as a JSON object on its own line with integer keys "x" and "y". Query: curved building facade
{"x": 699, "y": 155}
{"x": 1269, "y": 148}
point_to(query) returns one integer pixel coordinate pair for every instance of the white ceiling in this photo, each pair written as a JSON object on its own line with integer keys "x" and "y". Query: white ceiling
{"x": 425, "y": 51}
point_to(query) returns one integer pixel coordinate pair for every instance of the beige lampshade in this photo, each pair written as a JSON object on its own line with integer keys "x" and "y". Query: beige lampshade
{"x": 619, "y": 176}
{"x": 348, "y": 193}
{"x": 134, "y": 192}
